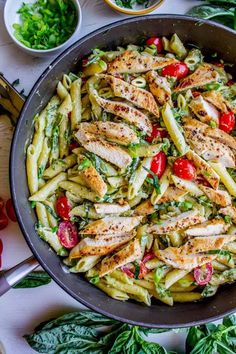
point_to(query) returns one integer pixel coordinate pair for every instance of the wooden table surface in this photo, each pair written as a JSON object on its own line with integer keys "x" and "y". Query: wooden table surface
{"x": 22, "y": 309}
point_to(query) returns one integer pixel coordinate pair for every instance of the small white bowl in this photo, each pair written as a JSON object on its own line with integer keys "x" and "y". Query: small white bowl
{"x": 11, "y": 16}
{"x": 137, "y": 10}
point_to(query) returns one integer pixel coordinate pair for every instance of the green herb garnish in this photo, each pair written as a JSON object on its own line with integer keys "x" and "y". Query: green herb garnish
{"x": 129, "y": 4}
{"x": 154, "y": 181}
{"x": 85, "y": 163}
{"x": 45, "y": 24}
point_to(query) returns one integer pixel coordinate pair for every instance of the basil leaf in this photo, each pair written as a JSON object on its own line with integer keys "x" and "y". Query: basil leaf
{"x": 33, "y": 280}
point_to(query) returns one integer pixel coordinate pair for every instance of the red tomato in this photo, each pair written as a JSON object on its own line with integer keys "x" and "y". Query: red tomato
{"x": 158, "y": 164}
{"x": 1, "y": 203}
{"x": 155, "y": 41}
{"x": 85, "y": 61}
{"x": 203, "y": 274}
{"x": 196, "y": 93}
{"x": 220, "y": 65}
{"x": 230, "y": 83}
{"x": 3, "y": 220}
{"x": 157, "y": 132}
{"x": 10, "y": 210}
{"x": 73, "y": 145}
{"x": 183, "y": 168}
{"x": 177, "y": 70}
{"x": 67, "y": 233}
{"x": 227, "y": 122}
{"x": 143, "y": 269}
{"x": 63, "y": 208}
{"x": 127, "y": 271}
{"x": 202, "y": 180}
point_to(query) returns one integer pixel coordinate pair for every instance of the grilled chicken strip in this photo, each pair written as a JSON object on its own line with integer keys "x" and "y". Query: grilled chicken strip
{"x": 194, "y": 126}
{"x": 210, "y": 227}
{"x": 216, "y": 196}
{"x": 204, "y": 110}
{"x": 111, "y": 208}
{"x": 133, "y": 62}
{"x": 102, "y": 148}
{"x": 128, "y": 113}
{"x": 93, "y": 179}
{"x": 115, "y": 132}
{"x": 128, "y": 254}
{"x": 203, "y": 75}
{"x": 229, "y": 210}
{"x": 159, "y": 87}
{"x": 210, "y": 149}
{"x": 112, "y": 225}
{"x": 179, "y": 222}
{"x": 100, "y": 245}
{"x": 139, "y": 97}
{"x": 190, "y": 254}
{"x": 204, "y": 168}
{"x": 172, "y": 193}
{"x": 215, "y": 98}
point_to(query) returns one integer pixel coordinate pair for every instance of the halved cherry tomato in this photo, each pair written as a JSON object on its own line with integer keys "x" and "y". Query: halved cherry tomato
{"x": 1, "y": 203}
{"x": 220, "y": 65}
{"x": 203, "y": 274}
{"x": 155, "y": 41}
{"x": 127, "y": 271}
{"x": 183, "y": 168}
{"x": 227, "y": 122}
{"x": 73, "y": 145}
{"x": 85, "y": 61}
{"x": 230, "y": 83}
{"x": 10, "y": 210}
{"x": 63, "y": 208}
{"x": 3, "y": 220}
{"x": 143, "y": 269}
{"x": 177, "y": 70}
{"x": 158, "y": 164}
{"x": 157, "y": 132}
{"x": 68, "y": 234}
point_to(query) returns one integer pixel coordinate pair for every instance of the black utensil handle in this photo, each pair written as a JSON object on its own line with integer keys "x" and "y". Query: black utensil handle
{"x": 12, "y": 276}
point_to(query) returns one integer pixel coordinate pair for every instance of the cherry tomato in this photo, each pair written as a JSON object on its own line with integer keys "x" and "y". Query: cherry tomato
{"x": 227, "y": 122}
{"x": 73, "y": 145}
{"x": 1, "y": 204}
{"x": 203, "y": 274}
{"x": 85, "y": 61}
{"x": 143, "y": 269}
{"x": 158, "y": 164}
{"x": 220, "y": 65}
{"x": 3, "y": 220}
{"x": 155, "y": 41}
{"x": 183, "y": 168}
{"x": 196, "y": 93}
{"x": 230, "y": 83}
{"x": 177, "y": 70}
{"x": 63, "y": 208}
{"x": 127, "y": 271}
{"x": 67, "y": 233}
{"x": 157, "y": 132}
{"x": 10, "y": 210}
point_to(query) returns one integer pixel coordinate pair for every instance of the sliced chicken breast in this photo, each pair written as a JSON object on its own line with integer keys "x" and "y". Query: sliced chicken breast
{"x": 159, "y": 87}
{"x": 99, "y": 246}
{"x": 93, "y": 179}
{"x": 204, "y": 110}
{"x": 114, "y": 154}
{"x": 112, "y": 225}
{"x": 194, "y": 126}
{"x": 210, "y": 227}
{"x": 216, "y": 99}
{"x": 111, "y": 208}
{"x": 203, "y": 75}
{"x": 206, "y": 243}
{"x": 138, "y": 96}
{"x": 229, "y": 210}
{"x": 126, "y": 112}
{"x": 116, "y": 132}
{"x": 179, "y": 222}
{"x": 216, "y": 196}
{"x": 128, "y": 254}
{"x": 134, "y": 62}
{"x": 204, "y": 169}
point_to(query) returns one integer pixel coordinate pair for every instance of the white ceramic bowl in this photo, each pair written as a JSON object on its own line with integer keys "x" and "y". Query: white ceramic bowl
{"x": 11, "y": 16}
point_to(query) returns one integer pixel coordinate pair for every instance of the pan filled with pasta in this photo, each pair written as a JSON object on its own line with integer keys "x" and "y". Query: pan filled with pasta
{"x": 123, "y": 171}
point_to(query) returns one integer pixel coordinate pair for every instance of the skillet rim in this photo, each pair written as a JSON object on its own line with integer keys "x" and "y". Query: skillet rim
{"x": 21, "y": 223}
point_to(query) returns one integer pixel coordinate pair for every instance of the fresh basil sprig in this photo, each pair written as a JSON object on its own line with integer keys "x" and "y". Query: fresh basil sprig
{"x": 33, "y": 280}
{"x": 81, "y": 332}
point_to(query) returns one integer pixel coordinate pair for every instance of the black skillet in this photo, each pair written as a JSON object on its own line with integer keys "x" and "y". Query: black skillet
{"x": 206, "y": 35}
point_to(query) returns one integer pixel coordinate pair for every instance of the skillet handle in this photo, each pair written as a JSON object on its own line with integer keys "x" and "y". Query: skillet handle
{"x": 12, "y": 276}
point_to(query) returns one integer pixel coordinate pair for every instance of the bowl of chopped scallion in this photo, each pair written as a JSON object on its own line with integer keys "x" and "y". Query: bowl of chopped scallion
{"x": 43, "y": 27}
{"x": 134, "y": 7}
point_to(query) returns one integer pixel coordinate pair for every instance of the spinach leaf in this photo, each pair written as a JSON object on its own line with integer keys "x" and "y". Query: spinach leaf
{"x": 33, "y": 280}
